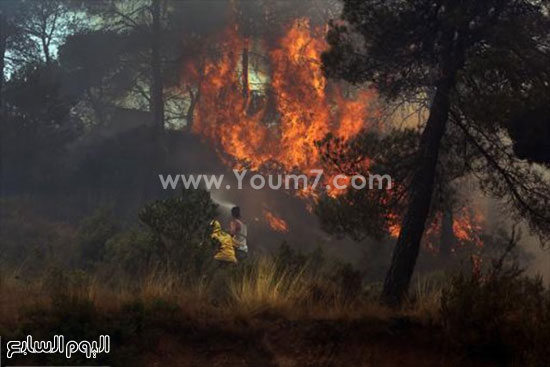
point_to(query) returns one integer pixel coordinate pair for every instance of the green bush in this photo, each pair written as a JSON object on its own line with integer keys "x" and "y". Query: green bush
{"x": 328, "y": 281}
{"x": 180, "y": 227}
{"x": 503, "y": 315}
{"x": 132, "y": 251}
{"x": 183, "y": 218}
{"x": 29, "y": 241}
{"x": 93, "y": 234}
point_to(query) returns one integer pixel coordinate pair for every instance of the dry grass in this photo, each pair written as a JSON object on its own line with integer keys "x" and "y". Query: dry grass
{"x": 427, "y": 300}
{"x": 263, "y": 287}
{"x": 258, "y": 289}
{"x": 16, "y": 295}
{"x": 260, "y": 299}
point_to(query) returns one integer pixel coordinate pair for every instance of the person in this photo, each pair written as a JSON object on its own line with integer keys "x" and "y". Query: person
{"x": 238, "y": 230}
{"x": 225, "y": 253}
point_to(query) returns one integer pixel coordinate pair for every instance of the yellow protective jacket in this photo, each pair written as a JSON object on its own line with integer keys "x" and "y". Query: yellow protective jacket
{"x": 226, "y": 251}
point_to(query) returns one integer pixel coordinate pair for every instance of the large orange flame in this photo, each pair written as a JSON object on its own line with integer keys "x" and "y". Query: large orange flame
{"x": 278, "y": 125}
{"x": 306, "y": 108}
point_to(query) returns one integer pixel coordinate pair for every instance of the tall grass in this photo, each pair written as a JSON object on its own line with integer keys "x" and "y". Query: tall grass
{"x": 265, "y": 286}
{"x": 426, "y": 292}
{"x": 261, "y": 285}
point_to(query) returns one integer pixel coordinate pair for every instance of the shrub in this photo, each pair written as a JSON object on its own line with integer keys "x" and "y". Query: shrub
{"x": 29, "y": 240}
{"x": 503, "y": 315}
{"x": 93, "y": 234}
{"x": 181, "y": 225}
{"x": 322, "y": 281}
{"x": 132, "y": 251}
{"x": 182, "y": 218}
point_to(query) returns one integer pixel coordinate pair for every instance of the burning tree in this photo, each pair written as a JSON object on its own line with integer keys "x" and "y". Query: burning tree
{"x": 454, "y": 222}
{"x": 264, "y": 103}
{"x": 478, "y": 66}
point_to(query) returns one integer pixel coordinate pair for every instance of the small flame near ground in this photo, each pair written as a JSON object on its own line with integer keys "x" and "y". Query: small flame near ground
{"x": 275, "y": 222}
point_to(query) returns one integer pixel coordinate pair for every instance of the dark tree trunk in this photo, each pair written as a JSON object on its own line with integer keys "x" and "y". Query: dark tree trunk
{"x": 157, "y": 98}
{"x": 406, "y": 250}
{"x": 245, "y": 70}
{"x": 46, "y": 50}
{"x": 193, "y": 100}
{"x": 157, "y": 150}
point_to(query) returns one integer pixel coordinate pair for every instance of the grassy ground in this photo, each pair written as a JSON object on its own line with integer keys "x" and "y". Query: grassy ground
{"x": 254, "y": 315}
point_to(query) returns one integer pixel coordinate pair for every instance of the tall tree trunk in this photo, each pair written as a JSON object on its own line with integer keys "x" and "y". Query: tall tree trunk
{"x": 46, "y": 50}
{"x": 406, "y": 250}
{"x": 157, "y": 148}
{"x": 245, "y": 70}
{"x": 193, "y": 100}
{"x": 157, "y": 98}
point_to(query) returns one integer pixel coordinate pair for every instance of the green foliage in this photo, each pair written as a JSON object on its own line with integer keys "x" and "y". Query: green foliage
{"x": 132, "y": 251}
{"x": 95, "y": 68}
{"x": 328, "y": 281}
{"x": 29, "y": 241}
{"x": 406, "y": 46}
{"x": 503, "y": 316}
{"x": 181, "y": 226}
{"x": 366, "y": 213}
{"x": 182, "y": 218}
{"x": 293, "y": 261}
{"x": 37, "y": 129}
{"x": 93, "y": 234}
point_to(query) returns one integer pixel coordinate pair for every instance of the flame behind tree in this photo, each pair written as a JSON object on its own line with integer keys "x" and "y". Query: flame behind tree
{"x": 305, "y": 106}
{"x": 458, "y": 51}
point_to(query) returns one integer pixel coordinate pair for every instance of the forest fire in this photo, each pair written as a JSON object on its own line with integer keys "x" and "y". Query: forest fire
{"x": 274, "y": 122}
{"x": 262, "y": 183}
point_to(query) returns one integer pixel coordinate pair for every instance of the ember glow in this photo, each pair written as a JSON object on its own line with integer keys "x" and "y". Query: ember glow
{"x": 276, "y": 223}
{"x": 394, "y": 226}
{"x": 468, "y": 226}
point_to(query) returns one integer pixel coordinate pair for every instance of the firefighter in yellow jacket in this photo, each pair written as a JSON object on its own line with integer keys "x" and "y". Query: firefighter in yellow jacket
{"x": 226, "y": 250}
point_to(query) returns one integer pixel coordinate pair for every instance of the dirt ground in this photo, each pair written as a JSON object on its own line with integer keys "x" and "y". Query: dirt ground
{"x": 287, "y": 343}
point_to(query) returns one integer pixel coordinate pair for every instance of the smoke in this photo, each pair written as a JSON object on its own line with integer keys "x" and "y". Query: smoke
{"x": 223, "y": 204}
{"x": 538, "y": 262}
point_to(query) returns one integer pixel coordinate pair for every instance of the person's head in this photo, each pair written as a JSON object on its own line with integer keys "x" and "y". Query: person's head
{"x": 236, "y": 212}
{"x": 215, "y": 226}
